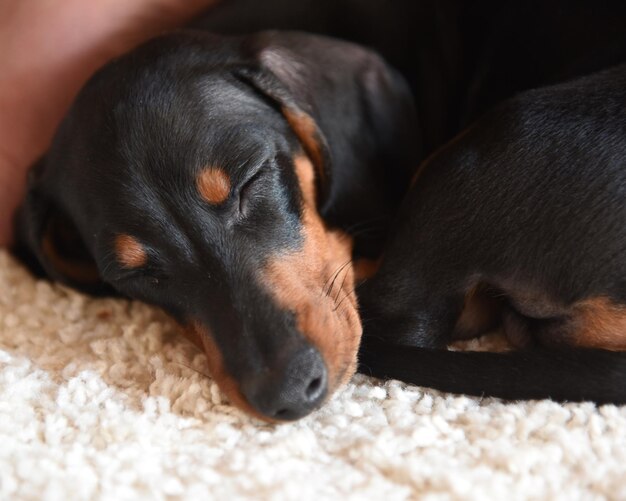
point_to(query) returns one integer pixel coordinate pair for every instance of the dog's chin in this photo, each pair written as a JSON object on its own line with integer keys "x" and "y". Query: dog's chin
{"x": 342, "y": 371}
{"x": 343, "y": 376}
{"x": 203, "y": 339}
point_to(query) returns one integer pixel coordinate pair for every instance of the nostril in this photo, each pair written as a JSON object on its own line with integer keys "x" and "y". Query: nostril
{"x": 313, "y": 390}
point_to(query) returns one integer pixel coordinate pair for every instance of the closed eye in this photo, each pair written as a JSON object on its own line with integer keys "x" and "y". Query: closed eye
{"x": 245, "y": 193}
{"x": 136, "y": 277}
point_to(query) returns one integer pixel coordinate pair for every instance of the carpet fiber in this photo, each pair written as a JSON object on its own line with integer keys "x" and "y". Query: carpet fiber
{"x": 101, "y": 399}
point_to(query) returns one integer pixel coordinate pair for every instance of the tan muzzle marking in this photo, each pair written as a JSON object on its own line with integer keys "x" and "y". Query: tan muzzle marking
{"x": 317, "y": 284}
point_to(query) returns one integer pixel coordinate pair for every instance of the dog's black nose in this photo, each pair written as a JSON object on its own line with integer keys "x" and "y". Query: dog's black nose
{"x": 290, "y": 390}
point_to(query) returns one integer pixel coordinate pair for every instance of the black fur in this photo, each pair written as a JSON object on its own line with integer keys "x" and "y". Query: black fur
{"x": 532, "y": 196}
{"x": 528, "y": 202}
{"x": 125, "y": 162}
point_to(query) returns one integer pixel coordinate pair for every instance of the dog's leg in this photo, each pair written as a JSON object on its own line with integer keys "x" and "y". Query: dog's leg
{"x": 529, "y": 203}
{"x": 401, "y": 307}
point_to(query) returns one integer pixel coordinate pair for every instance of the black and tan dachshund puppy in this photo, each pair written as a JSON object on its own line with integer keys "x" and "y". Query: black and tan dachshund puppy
{"x": 207, "y": 175}
{"x": 518, "y": 221}
{"x": 234, "y": 182}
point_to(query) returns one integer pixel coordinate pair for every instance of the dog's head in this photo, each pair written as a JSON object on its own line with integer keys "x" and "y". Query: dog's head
{"x": 193, "y": 174}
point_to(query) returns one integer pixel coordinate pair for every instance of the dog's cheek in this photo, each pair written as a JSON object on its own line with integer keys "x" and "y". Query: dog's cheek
{"x": 317, "y": 284}
{"x": 345, "y": 306}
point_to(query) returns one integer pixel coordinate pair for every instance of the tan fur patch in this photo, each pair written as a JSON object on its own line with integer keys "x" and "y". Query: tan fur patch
{"x": 213, "y": 184}
{"x": 366, "y": 268}
{"x": 480, "y": 314}
{"x": 78, "y": 271}
{"x": 599, "y": 323}
{"x": 317, "y": 283}
{"x": 130, "y": 253}
{"x": 306, "y": 129}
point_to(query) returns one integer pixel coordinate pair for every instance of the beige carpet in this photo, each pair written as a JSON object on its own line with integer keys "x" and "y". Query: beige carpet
{"x": 100, "y": 399}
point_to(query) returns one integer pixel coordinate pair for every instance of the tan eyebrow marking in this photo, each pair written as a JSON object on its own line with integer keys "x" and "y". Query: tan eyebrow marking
{"x": 130, "y": 253}
{"x": 214, "y": 185}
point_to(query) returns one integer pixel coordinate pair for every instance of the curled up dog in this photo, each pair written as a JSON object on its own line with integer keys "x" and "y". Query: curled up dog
{"x": 227, "y": 180}
{"x": 205, "y": 175}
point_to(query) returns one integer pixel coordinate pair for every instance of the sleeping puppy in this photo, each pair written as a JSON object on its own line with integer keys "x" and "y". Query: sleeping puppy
{"x": 231, "y": 181}
{"x": 215, "y": 177}
{"x": 518, "y": 222}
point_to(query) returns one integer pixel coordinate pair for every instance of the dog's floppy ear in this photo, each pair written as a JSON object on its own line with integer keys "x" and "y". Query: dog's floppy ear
{"x": 281, "y": 87}
{"x": 350, "y": 110}
{"x": 47, "y": 240}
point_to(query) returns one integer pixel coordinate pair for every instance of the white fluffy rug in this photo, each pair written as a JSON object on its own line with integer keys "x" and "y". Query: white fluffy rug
{"x": 100, "y": 399}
